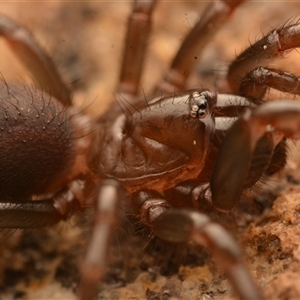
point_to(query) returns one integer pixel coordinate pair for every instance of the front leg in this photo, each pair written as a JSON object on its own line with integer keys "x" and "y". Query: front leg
{"x": 109, "y": 200}
{"x": 183, "y": 225}
{"x": 274, "y": 45}
{"x": 230, "y": 176}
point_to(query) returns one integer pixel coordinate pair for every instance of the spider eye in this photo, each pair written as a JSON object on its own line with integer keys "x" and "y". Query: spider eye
{"x": 198, "y": 105}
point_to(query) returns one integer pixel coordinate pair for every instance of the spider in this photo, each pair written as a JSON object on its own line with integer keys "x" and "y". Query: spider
{"x": 195, "y": 95}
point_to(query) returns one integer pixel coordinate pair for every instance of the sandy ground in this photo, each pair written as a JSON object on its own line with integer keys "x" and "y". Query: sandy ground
{"x": 85, "y": 41}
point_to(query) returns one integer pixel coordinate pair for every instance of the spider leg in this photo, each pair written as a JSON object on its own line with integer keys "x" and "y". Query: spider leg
{"x": 106, "y": 216}
{"x": 215, "y": 15}
{"x": 23, "y": 44}
{"x": 274, "y": 45}
{"x": 181, "y": 225}
{"x": 258, "y": 81}
{"x": 29, "y": 214}
{"x": 231, "y": 171}
{"x": 138, "y": 29}
{"x": 41, "y": 213}
{"x": 139, "y": 24}
{"x": 47, "y": 212}
{"x": 196, "y": 227}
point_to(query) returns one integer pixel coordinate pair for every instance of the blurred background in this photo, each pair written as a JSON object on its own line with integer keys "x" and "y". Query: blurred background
{"x": 85, "y": 41}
